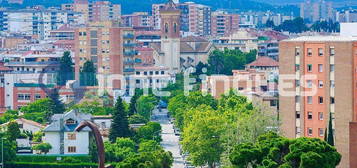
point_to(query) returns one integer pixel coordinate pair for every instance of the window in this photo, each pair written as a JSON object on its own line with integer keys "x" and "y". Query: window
{"x": 309, "y": 99}
{"x": 156, "y": 72}
{"x": 70, "y": 121}
{"x": 137, "y": 81}
{"x": 309, "y": 83}
{"x": 309, "y": 52}
{"x": 137, "y": 73}
{"x": 321, "y": 52}
{"x": 71, "y": 136}
{"x": 175, "y": 27}
{"x": 145, "y": 73}
{"x": 297, "y": 83}
{"x": 321, "y": 84}
{"x": 332, "y": 100}
{"x": 297, "y": 67}
{"x": 309, "y": 131}
{"x": 162, "y": 72}
{"x": 166, "y": 28}
{"x": 93, "y": 34}
{"x": 297, "y": 99}
{"x": 23, "y": 97}
{"x": 309, "y": 67}
{"x": 72, "y": 149}
{"x": 332, "y": 51}
{"x": 297, "y": 114}
{"x": 321, "y": 100}
{"x": 37, "y": 96}
{"x": 321, "y": 68}
{"x": 332, "y": 68}
{"x": 297, "y": 51}
{"x": 93, "y": 51}
{"x": 321, "y": 132}
{"x": 151, "y": 72}
{"x": 332, "y": 83}
{"x": 321, "y": 116}
{"x": 309, "y": 115}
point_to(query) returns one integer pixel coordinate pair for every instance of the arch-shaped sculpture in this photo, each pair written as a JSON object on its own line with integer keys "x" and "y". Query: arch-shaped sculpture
{"x": 98, "y": 140}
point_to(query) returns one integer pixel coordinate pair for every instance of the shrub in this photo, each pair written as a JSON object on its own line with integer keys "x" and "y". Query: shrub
{"x": 51, "y": 158}
{"x": 49, "y": 165}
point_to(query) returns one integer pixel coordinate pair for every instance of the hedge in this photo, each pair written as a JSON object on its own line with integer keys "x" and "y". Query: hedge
{"x": 49, "y": 165}
{"x": 49, "y": 158}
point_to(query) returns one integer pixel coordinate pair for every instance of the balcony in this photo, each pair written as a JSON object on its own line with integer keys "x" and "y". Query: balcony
{"x": 130, "y": 53}
{"x": 129, "y": 62}
{"x": 129, "y": 45}
{"x": 129, "y": 36}
{"x": 138, "y": 60}
{"x": 129, "y": 70}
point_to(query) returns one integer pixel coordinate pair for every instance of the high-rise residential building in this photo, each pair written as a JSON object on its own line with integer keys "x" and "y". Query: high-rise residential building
{"x": 316, "y": 10}
{"x": 137, "y": 19}
{"x": 318, "y": 78}
{"x": 101, "y": 43}
{"x": 37, "y": 23}
{"x": 95, "y": 11}
{"x": 346, "y": 16}
{"x": 104, "y": 11}
{"x": 223, "y": 23}
{"x": 194, "y": 18}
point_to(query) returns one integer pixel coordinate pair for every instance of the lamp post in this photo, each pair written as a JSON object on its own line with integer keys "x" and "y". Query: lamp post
{"x": 2, "y": 153}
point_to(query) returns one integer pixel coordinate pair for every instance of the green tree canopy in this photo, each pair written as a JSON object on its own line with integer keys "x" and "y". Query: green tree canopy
{"x": 88, "y": 74}
{"x": 223, "y": 62}
{"x": 43, "y": 147}
{"x": 120, "y": 124}
{"x": 272, "y": 150}
{"x": 150, "y": 131}
{"x": 145, "y": 105}
{"x": 66, "y": 71}
{"x": 40, "y": 110}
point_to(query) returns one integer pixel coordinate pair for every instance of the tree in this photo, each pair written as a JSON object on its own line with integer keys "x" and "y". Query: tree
{"x": 65, "y": 72}
{"x": 120, "y": 124}
{"x": 293, "y": 26}
{"x": 330, "y": 138}
{"x": 272, "y": 150}
{"x": 8, "y": 116}
{"x": 122, "y": 149}
{"x": 270, "y": 24}
{"x": 150, "y": 131}
{"x": 37, "y": 136}
{"x": 201, "y": 136}
{"x": 40, "y": 110}
{"x": 133, "y": 100}
{"x": 43, "y": 147}
{"x": 9, "y": 148}
{"x": 149, "y": 146}
{"x": 93, "y": 107}
{"x": 223, "y": 62}
{"x": 137, "y": 119}
{"x": 88, "y": 74}
{"x": 13, "y": 131}
{"x": 145, "y": 105}
{"x": 155, "y": 159}
{"x": 58, "y": 107}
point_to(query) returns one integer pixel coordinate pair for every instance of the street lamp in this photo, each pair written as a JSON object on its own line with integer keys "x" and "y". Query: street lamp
{"x": 2, "y": 152}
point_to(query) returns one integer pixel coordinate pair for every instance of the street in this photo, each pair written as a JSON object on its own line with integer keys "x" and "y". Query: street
{"x": 170, "y": 142}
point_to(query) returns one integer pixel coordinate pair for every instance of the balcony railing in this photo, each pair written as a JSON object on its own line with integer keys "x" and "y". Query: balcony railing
{"x": 129, "y": 45}
{"x": 130, "y": 53}
{"x": 138, "y": 60}
{"x": 129, "y": 70}
{"x": 129, "y": 36}
{"x": 129, "y": 62}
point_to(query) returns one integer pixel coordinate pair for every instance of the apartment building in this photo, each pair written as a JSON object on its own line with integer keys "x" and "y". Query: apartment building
{"x": 95, "y": 11}
{"x": 111, "y": 48}
{"x": 316, "y": 10}
{"x": 104, "y": 11}
{"x": 137, "y": 19}
{"x": 323, "y": 82}
{"x": 36, "y": 22}
{"x": 241, "y": 39}
{"x": 223, "y": 23}
{"x": 194, "y": 18}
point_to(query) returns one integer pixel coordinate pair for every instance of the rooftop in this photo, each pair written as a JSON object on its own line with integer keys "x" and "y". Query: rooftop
{"x": 322, "y": 39}
{"x": 264, "y": 62}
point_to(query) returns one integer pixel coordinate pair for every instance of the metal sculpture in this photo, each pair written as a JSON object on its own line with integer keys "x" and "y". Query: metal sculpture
{"x": 98, "y": 140}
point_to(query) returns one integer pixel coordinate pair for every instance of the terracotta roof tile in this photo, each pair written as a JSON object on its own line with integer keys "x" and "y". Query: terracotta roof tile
{"x": 264, "y": 61}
